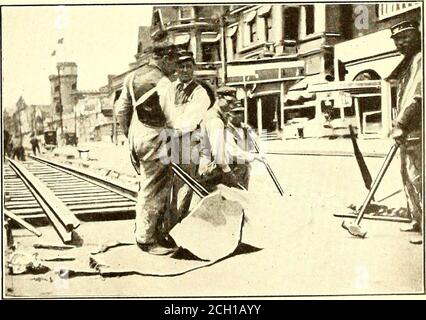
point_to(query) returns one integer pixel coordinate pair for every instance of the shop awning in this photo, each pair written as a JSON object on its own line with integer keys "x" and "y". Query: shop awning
{"x": 264, "y": 10}
{"x": 250, "y": 16}
{"x": 308, "y": 80}
{"x": 300, "y": 90}
{"x": 295, "y": 96}
{"x": 348, "y": 86}
{"x": 181, "y": 39}
{"x": 384, "y": 67}
{"x": 231, "y": 31}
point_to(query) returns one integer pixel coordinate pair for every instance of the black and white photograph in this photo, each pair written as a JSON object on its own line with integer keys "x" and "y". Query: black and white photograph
{"x": 171, "y": 150}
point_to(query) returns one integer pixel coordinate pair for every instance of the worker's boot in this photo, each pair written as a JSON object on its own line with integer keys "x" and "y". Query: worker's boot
{"x": 167, "y": 242}
{"x": 413, "y": 226}
{"x": 417, "y": 239}
{"x": 156, "y": 249}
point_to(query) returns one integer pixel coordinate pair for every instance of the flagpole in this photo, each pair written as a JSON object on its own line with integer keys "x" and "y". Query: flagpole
{"x": 60, "y": 101}
{"x": 61, "y": 42}
{"x": 19, "y": 104}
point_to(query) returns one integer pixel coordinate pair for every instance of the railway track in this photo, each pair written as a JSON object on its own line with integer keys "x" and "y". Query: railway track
{"x": 38, "y": 185}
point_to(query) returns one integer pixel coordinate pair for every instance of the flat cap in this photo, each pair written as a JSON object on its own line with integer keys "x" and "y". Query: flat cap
{"x": 402, "y": 27}
{"x": 161, "y": 48}
{"x": 237, "y": 107}
{"x": 184, "y": 55}
{"x": 226, "y": 91}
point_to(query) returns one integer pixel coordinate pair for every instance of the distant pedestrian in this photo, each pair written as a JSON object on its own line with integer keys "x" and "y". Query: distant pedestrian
{"x": 35, "y": 144}
{"x": 18, "y": 151}
{"x": 7, "y": 143}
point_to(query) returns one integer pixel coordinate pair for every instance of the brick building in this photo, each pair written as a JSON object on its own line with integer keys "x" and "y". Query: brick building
{"x": 370, "y": 56}
{"x": 299, "y": 66}
{"x": 143, "y": 47}
{"x": 93, "y": 116}
{"x": 294, "y": 65}
{"x": 194, "y": 28}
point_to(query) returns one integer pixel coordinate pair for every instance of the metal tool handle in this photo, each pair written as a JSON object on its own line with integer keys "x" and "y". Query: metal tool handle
{"x": 191, "y": 182}
{"x": 376, "y": 182}
{"x": 268, "y": 167}
{"x": 366, "y": 176}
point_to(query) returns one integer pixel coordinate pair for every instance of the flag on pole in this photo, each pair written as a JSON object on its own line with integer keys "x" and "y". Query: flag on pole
{"x": 61, "y": 40}
{"x": 53, "y": 53}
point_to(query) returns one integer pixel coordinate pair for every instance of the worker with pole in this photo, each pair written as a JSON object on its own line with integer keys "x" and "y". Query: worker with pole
{"x": 407, "y": 130}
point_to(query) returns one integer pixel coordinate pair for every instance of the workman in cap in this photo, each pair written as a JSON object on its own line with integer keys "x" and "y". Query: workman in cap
{"x": 239, "y": 145}
{"x": 186, "y": 103}
{"x": 407, "y": 129}
{"x": 142, "y": 119}
{"x": 225, "y": 145}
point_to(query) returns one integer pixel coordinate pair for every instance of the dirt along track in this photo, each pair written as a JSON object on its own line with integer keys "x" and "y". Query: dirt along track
{"x": 306, "y": 252}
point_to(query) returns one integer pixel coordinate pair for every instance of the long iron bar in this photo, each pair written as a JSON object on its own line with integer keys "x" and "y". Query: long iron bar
{"x": 64, "y": 234}
{"x": 191, "y": 182}
{"x": 268, "y": 167}
{"x": 64, "y": 215}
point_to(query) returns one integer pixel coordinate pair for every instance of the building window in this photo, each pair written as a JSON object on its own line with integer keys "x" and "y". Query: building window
{"x": 186, "y": 13}
{"x": 234, "y": 43}
{"x": 74, "y": 86}
{"x": 291, "y": 23}
{"x": 309, "y": 19}
{"x": 387, "y": 10}
{"x": 56, "y": 88}
{"x": 252, "y": 30}
{"x": 157, "y": 19}
{"x": 210, "y": 52}
{"x": 157, "y": 25}
{"x": 268, "y": 27}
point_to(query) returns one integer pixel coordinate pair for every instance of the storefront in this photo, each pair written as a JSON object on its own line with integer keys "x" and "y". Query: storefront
{"x": 366, "y": 105}
{"x": 262, "y": 85}
{"x": 364, "y": 99}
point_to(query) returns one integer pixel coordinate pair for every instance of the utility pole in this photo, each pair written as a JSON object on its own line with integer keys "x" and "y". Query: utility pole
{"x": 19, "y": 118}
{"x": 223, "y": 47}
{"x": 75, "y": 123}
{"x": 34, "y": 120}
{"x": 114, "y": 121}
{"x": 60, "y": 101}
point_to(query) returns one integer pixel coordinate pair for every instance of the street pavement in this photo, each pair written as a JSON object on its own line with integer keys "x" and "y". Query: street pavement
{"x": 108, "y": 156}
{"x": 305, "y": 250}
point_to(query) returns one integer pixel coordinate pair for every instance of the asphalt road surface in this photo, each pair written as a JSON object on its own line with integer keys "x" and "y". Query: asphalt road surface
{"x": 305, "y": 250}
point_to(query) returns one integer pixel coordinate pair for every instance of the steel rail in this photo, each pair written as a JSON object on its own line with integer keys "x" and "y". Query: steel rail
{"x": 22, "y": 222}
{"x": 28, "y": 179}
{"x": 95, "y": 179}
{"x": 65, "y": 216}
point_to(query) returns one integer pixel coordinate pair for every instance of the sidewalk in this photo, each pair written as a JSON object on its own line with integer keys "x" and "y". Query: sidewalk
{"x": 104, "y": 158}
{"x": 112, "y": 160}
{"x": 325, "y": 146}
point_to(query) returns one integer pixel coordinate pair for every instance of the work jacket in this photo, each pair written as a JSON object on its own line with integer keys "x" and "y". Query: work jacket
{"x": 409, "y": 97}
{"x": 140, "y": 112}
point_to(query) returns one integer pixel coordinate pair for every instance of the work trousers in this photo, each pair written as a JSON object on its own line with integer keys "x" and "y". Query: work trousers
{"x": 153, "y": 200}
{"x": 182, "y": 194}
{"x": 155, "y": 181}
{"x": 242, "y": 172}
{"x": 19, "y": 153}
{"x": 35, "y": 148}
{"x": 411, "y": 172}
